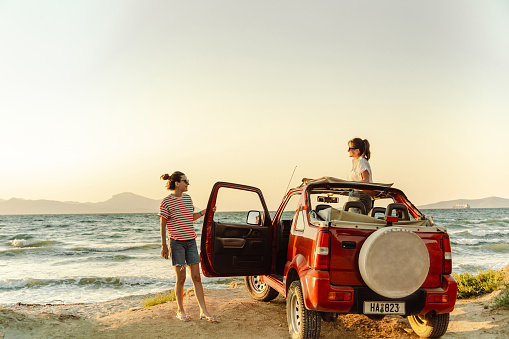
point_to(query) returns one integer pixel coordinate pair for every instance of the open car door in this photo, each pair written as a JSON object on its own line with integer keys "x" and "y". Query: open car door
{"x": 231, "y": 243}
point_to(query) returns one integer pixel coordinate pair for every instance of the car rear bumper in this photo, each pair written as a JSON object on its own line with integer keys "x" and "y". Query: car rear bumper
{"x": 318, "y": 291}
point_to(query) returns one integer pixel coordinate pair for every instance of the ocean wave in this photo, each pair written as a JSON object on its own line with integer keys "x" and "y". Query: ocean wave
{"x": 503, "y": 221}
{"x": 114, "y": 248}
{"x": 451, "y": 225}
{"x": 497, "y": 247}
{"x": 485, "y": 232}
{"x": 9, "y": 252}
{"x": 21, "y": 243}
{"x": 477, "y": 241}
{"x": 21, "y": 236}
{"x": 115, "y": 257}
{"x": 116, "y": 282}
{"x": 478, "y": 232}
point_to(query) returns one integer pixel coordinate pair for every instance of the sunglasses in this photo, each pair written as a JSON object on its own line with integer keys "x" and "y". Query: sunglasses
{"x": 186, "y": 181}
{"x": 351, "y": 148}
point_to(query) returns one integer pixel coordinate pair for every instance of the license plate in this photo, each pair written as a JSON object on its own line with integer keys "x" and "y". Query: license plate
{"x": 382, "y": 307}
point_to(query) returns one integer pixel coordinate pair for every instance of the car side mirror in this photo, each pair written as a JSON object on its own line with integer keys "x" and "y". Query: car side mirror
{"x": 254, "y": 218}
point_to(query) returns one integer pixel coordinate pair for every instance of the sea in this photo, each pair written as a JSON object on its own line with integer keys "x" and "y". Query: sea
{"x": 82, "y": 258}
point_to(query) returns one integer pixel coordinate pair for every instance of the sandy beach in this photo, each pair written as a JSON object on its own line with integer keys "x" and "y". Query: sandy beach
{"x": 239, "y": 316}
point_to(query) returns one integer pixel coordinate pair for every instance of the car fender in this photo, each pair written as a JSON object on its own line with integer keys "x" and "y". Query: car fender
{"x": 301, "y": 266}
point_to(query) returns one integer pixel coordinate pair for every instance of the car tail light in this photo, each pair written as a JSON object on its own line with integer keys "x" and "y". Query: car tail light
{"x": 339, "y": 296}
{"x": 391, "y": 219}
{"x": 447, "y": 255}
{"x": 322, "y": 251}
{"x": 438, "y": 298}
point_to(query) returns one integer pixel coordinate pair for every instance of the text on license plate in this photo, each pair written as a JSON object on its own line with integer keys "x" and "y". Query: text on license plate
{"x": 380, "y": 307}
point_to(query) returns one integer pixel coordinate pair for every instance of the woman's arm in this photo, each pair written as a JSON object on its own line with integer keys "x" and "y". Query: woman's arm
{"x": 201, "y": 213}
{"x": 198, "y": 215}
{"x": 365, "y": 176}
{"x": 164, "y": 245}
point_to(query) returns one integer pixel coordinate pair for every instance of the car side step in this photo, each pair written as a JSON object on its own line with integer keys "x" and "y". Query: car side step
{"x": 275, "y": 283}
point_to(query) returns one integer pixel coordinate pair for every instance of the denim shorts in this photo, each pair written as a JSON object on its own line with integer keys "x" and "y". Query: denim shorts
{"x": 184, "y": 252}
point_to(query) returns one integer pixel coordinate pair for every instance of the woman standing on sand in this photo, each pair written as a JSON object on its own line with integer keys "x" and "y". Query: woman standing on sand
{"x": 358, "y": 149}
{"x": 177, "y": 215}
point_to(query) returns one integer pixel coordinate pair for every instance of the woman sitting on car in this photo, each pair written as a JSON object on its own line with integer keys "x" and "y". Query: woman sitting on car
{"x": 358, "y": 149}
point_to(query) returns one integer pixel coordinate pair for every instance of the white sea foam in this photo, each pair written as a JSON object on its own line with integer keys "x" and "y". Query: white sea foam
{"x": 477, "y": 241}
{"x": 78, "y": 281}
{"x": 483, "y": 232}
{"x": 18, "y": 242}
{"x": 30, "y": 243}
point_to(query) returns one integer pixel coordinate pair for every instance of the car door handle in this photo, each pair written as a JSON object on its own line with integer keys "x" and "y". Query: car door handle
{"x": 233, "y": 242}
{"x": 253, "y": 234}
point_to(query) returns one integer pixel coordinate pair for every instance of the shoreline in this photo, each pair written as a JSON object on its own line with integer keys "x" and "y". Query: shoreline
{"x": 239, "y": 316}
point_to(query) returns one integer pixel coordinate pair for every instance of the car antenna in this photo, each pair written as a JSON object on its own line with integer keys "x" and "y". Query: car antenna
{"x": 290, "y": 181}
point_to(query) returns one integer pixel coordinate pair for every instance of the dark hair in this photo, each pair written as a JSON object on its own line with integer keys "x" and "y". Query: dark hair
{"x": 362, "y": 146}
{"x": 172, "y": 179}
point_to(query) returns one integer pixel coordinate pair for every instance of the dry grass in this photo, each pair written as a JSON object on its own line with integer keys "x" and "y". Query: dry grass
{"x": 502, "y": 301}
{"x": 158, "y": 298}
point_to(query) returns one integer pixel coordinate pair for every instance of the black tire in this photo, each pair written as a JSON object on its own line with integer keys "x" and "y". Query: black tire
{"x": 433, "y": 326}
{"x": 329, "y": 316}
{"x": 259, "y": 290}
{"x": 302, "y": 323}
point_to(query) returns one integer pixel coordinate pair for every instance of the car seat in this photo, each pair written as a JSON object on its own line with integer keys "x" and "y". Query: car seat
{"x": 397, "y": 207}
{"x": 355, "y": 204}
{"x": 322, "y": 212}
{"x": 378, "y": 210}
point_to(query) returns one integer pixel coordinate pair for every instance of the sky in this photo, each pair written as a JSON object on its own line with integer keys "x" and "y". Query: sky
{"x": 103, "y": 97}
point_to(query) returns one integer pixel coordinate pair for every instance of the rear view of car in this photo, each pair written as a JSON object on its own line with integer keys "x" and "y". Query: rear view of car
{"x": 336, "y": 247}
{"x": 393, "y": 258}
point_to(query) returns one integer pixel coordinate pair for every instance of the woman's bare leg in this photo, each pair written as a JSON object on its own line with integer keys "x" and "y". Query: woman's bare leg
{"x": 180, "y": 271}
{"x": 198, "y": 289}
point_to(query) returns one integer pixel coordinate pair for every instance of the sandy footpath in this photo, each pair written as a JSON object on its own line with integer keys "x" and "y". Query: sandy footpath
{"x": 239, "y": 316}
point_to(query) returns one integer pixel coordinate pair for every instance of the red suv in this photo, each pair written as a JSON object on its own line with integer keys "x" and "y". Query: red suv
{"x": 333, "y": 247}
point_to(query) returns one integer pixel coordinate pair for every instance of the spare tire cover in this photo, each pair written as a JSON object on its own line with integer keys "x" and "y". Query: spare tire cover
{"x": 394, "y": 262}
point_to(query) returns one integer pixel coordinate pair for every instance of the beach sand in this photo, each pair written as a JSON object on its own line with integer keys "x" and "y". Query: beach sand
{"x": 239, "y": 316}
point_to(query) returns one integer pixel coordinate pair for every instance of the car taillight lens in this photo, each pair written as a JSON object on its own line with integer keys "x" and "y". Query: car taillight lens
{"x": 339, "y": 296}
{"x": 447, "y": 255}
{"x": 322, "y": 251}
{"x": 438, "y": 298}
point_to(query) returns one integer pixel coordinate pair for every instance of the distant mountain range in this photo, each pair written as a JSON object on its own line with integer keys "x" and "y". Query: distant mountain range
{"x": 132, "y": 203}
{"x": 120, "y": 203}
{"x": 491, "y": 202}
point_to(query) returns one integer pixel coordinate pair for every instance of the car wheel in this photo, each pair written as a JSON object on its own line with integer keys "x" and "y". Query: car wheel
{"x": 258, "y": 290}
{"x": 394, "y": 262}
{"x": 302, "y": 323}
{"x": 433, "y": 326}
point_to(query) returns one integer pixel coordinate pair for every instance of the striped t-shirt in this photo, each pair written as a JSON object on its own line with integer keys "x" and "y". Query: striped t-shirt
{"x": 179, "y": 214}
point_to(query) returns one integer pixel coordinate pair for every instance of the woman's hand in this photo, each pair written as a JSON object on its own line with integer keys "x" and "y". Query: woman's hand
{"x": 164, "y": 251}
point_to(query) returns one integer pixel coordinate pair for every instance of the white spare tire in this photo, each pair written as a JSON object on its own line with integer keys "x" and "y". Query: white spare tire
{"x": 394, "y": 262}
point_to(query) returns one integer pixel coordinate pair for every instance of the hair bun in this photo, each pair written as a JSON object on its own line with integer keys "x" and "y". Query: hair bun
{"x": 165, "y": 176}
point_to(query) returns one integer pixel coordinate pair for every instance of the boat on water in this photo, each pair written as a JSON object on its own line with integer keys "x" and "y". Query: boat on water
{"x": 461, "y": 206}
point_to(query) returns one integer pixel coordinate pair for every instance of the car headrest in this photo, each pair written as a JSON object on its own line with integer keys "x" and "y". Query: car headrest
{"x": 397, "y": 207}
{"x": 355, "y": 204}
{"x": 376, "y": 210}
